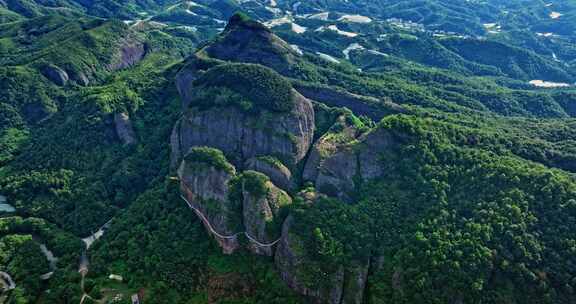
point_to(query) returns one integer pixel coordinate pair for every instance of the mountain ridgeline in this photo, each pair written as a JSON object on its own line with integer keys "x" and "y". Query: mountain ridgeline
{"x": 341, "y": 152}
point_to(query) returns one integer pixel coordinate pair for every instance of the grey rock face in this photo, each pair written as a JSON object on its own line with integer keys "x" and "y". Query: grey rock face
{"x": 131, "y": 51}
{"x": 175, "y": 148}
{"x": 279, "y": 174}
{"x": 338, "y": 174}
{"x": 328, "y": 145}
{"x": 55, "y": 74}
{"x": 80, "y": 79}
{"x": 341, "y": 285}
{"x": 183, "y": 80}
{"x": 207, "y": 189}
{"x": 259, "y": 214}
{"x": 361, "y": 105}
{"x": 124, "y": 128}
{"x": 242, "y": 136}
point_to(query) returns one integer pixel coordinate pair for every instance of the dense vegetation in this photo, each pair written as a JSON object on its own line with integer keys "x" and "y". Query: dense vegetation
{"x": 159, "y": 244}
{"x": 268, "y": 90}
{"x": 477, "y": 204}
{"x": 439, "y": 241}
{"x": 207, "y": 156}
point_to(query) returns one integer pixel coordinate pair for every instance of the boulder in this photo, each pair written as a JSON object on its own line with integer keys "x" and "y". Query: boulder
{"x": 55, "y": 74}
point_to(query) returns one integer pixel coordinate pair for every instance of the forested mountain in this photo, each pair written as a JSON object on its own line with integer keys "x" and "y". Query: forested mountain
{"x": 336, "y": 151}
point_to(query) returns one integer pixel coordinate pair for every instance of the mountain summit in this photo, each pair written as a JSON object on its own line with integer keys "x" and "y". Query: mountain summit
{"x": 246, "y": 40}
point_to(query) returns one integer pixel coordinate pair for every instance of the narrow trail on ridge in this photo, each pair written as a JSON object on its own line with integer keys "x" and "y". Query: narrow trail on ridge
{"x": 214, "y": 232}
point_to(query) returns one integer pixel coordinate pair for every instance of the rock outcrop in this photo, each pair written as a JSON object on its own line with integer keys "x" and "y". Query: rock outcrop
{"x": 55, "y": 74}
{"x": 130, "y": 52}
{"x": 242, "y": 136}
{"x": 340, "y": 174}
{"x": 371, "y": 107}
{"x": 279, "y": 174}
{"x": 183, "y": 80}
{"x": 233, "y": 206}
{"x": 80, "y": 78}
{"x": 356, "y": 277}
{"x": 272, "y": 150}
{"x": 339, "y": 135}
{"x": 205, "y": 184}
{"x": 262, "y": 202}
{"x": 291, "y": 262}
{"x": 124, "y": 128}
{"x": 338, "y": 285}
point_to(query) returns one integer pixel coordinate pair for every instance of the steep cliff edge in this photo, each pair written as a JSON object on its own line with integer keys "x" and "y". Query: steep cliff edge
{"x": 262, "y": 206}
{"x": 245, "y": 124}
{"x": 344, "y": 166}
{"x": 232, "y": 206}
{"x": 205, "y": 176}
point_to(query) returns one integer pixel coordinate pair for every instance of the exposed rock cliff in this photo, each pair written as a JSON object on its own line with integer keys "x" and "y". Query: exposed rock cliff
{"x": 340, "y": 174}
{"x": 268, "y": 143}
{"x": 230, "y": 205}
{"x": 292, "y": 263}
{"x": 343, "y": 284}
{"x": 124, "y": 128}
{"x": 130, "y": 51}
{"x": 279, "y": 174}
{"x": 339, "y": 135}
{"x": 242, "y": 136}
{"x": 205, "y": 182}
{"x": 55, "y": 74}
{"x": 262, "y": 202}
{"x": 354, "y": 287}
{"x": 361, "y": 105}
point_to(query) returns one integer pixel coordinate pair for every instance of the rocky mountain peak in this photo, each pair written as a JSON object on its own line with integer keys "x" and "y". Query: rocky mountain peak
{"x": 242, "y": 21}
{"x": 246, "y": 40}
